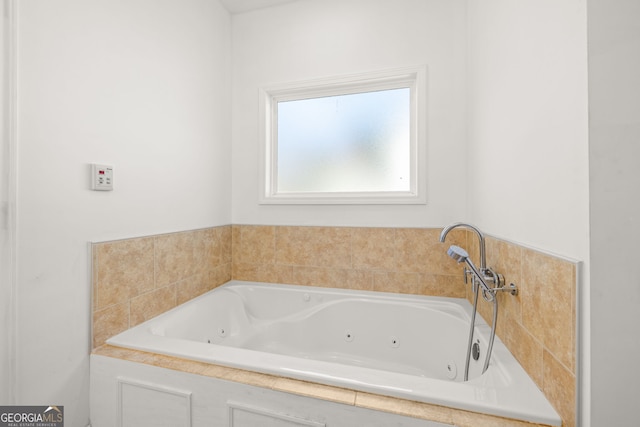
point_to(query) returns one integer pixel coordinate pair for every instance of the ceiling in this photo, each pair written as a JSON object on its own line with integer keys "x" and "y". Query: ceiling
{"x": 239, "y": 6}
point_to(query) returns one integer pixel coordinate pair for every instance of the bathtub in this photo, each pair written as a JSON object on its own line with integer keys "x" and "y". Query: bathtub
{"x": 405, "y": 346}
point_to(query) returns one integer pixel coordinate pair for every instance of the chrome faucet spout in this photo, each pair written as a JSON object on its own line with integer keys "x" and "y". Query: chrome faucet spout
{"x": 483, "y": 257}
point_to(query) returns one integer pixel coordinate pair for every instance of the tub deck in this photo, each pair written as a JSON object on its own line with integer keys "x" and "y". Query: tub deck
{"x": 343, "y": 396}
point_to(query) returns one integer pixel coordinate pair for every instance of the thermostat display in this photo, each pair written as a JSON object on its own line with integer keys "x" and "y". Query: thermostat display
{"x": 101, "y": 177}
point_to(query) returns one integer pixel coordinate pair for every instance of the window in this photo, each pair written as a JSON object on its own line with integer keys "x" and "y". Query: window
{"x": 351, "y": 140}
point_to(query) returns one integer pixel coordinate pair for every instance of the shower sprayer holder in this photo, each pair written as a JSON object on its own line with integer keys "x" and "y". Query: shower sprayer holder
{"x": 499, "y": 284}
{"x": 490, "y": 276}
{"x": 497, "y": 279}
{"x": 512, "y": 289}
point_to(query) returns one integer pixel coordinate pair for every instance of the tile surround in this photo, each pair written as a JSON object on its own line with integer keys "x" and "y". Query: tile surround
{"x": 139, "y": 278}
{"x": 538, "y": 325}
{"x": 381, "y": 259}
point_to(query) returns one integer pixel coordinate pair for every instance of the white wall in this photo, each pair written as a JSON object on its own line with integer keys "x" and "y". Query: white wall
{"x": 528, "y": 130}
{"x": 143, "y": 85}
{"x": 614, "y": 67}
{"x": 310, "y": 39}
{"x": 528, "y": 135}
{"x": 6, "y": 288}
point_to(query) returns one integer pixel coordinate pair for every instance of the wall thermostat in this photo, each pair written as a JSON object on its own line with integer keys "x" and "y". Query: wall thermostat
{"x": 101, "y": 177}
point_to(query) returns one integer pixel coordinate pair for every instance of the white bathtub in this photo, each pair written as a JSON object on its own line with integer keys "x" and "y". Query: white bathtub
{"x": 404, "y": 346}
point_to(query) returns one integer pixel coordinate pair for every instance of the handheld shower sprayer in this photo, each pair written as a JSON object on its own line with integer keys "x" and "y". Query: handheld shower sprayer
{"x": 460, "y": 255}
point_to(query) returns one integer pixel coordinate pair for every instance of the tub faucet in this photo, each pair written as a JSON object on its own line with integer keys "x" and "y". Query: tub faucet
{"x": 483, "y": 257}
{"x": 487, "y": 274}
{"x": 484, "y": 277}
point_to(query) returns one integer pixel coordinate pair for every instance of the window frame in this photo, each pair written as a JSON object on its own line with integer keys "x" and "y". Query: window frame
{"x": 414, "y": 78}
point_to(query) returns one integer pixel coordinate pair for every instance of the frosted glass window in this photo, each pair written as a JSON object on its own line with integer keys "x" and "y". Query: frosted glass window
{"x": 358, "y": 139}
{"x": 347, "y": 143}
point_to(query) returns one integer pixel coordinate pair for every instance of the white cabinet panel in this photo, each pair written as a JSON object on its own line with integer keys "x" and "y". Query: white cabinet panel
{"x": 142, "y": 404}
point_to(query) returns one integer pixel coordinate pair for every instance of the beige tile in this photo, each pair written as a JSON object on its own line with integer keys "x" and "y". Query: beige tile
{"x": 403, "y": 283}
{"x": 109, "y": 322}
{"x": 225, "y": 240}
{"x": 123, "y": 269}
{"x": 509, "y": 305}
{"x": 548, "y": 303}
{"x": 111, "y": 351}
{"x": 94, "y": 277}
{"x": 208, "y": 242}
{"x": 333, "y": 278}
{"x": 318, "y": 391}
{"x": 219, "y": 275}
{"x": 420, "y": 251}
{"x": 147, "y": 358}
{"x": 373, "y": 248}
{"x": 485, "y": 309}
{"x": 153, "y": 303}
{"x": 328, "y": 247}
{"x": 218, "y": 371}
{"x": 185, "y": 365}
{"x": 442, "y": 286}
{"x": 404, "y": 407}
{"x": 247, "y": 377}
{"x": 178, "y": 256}
{"x": 560, "y": 389}
{"x": 269, "y": 273}
{"x": 236, "y": 232}
{"x": 254, "y": 245}
{"x": 238, "y": 375}
{"x": 535, "y": 282}
{"x": 190, "y": 288}
{"x": 506, "y": 259}
{"x": 524, "y": 347}
{"x": 560, "y": 338}
{"x": 175, "y": 364}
